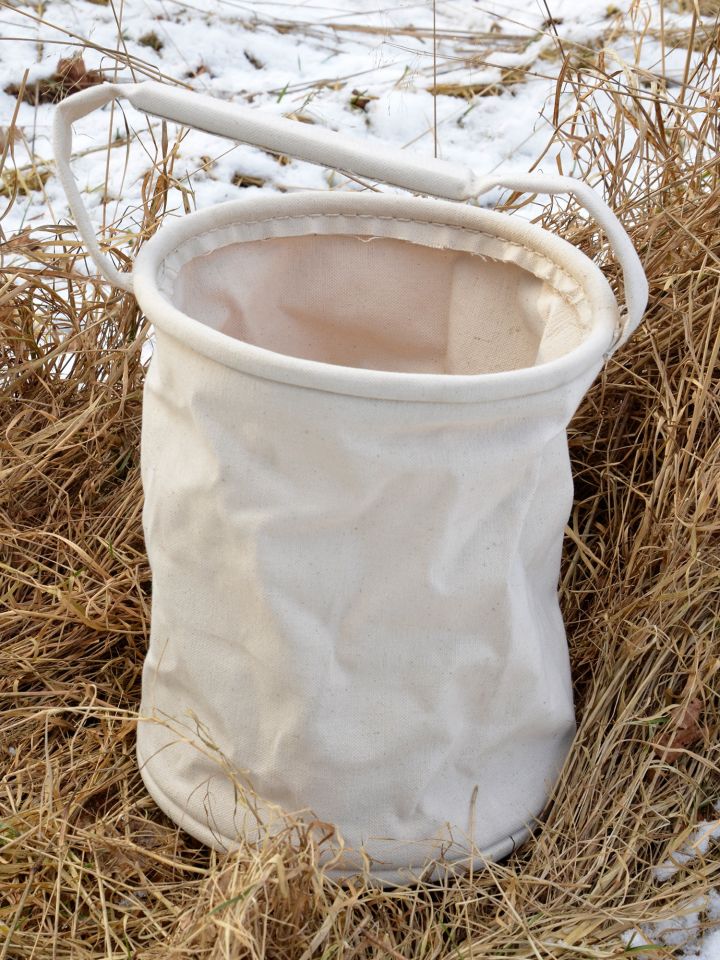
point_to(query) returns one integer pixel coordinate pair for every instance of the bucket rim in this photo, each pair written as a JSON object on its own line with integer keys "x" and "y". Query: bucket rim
{"x": 365, "y": 382}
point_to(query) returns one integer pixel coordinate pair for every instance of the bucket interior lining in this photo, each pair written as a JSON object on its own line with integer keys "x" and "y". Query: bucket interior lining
{"x": 379, "y": 293}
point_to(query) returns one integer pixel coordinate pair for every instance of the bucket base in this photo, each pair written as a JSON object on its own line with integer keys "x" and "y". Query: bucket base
{"x": 386, "y": 877}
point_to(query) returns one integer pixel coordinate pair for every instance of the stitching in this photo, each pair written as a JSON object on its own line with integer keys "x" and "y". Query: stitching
{"x": 564, "y": 295}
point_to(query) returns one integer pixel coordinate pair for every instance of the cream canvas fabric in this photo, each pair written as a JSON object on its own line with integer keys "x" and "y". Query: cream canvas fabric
{"x": 356, "y": 478}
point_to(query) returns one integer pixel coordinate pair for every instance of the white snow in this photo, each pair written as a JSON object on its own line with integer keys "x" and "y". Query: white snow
{"x": 697, "y": 845}
{"x": 302, "y": 58}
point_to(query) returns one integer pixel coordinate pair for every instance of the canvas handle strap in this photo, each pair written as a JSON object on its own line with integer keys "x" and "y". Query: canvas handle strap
{"x": 437, "y": 178}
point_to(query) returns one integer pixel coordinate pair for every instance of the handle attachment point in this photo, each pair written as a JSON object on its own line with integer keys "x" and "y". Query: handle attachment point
{"x": 66, "y": 113}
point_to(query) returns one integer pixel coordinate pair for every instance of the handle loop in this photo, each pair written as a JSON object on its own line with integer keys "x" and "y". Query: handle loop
{"x": 437, "y": 178}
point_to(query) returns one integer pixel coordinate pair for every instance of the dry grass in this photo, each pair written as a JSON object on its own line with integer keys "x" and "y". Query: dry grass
{"x": 89, "y": 868}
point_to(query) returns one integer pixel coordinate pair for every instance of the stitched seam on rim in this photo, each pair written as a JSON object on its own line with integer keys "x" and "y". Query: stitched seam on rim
{"x": 172, "y": 274}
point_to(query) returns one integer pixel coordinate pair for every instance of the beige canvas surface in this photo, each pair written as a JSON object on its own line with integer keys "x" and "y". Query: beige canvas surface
{"x": 356, "y": 480}
{"x": 354, "y": 598}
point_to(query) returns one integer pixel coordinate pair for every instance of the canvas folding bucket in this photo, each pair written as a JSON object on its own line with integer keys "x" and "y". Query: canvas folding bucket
{"x": 356, "y": 477}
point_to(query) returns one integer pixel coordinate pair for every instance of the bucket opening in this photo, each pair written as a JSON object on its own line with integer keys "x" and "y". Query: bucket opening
{"x": 382, "y": 286}
{"x": 382, "y": 303}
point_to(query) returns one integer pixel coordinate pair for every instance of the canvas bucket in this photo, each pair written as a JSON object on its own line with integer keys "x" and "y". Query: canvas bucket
{"x": 356, "y": 477}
